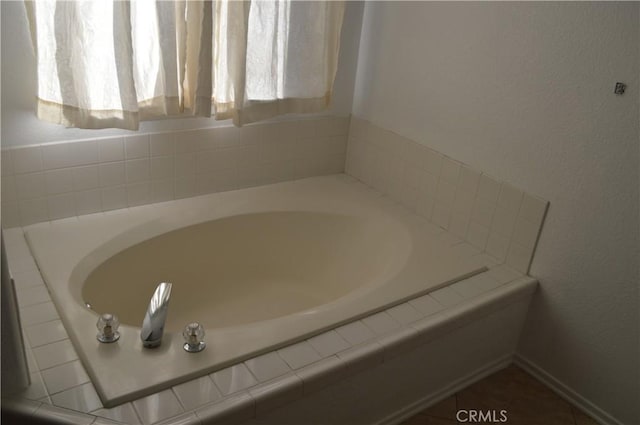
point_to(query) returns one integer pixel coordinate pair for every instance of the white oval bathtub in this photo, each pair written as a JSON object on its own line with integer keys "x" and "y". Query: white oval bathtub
{"x": 259, "y": 267}
{"x": 249, "y": 268}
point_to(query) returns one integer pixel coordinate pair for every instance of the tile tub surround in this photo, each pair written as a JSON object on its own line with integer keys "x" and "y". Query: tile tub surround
{"x": 54, "y": 181}
{"x": 298, "y": 378}
{"x": 360, "y": 252}
{"x": 493, "y": 216}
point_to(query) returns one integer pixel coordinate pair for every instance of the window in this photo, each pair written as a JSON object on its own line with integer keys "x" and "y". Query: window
{"x": 115, "y": 63}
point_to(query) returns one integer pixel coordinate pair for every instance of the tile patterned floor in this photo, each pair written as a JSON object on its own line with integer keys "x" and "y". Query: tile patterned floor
{"x": 526, "y": 400}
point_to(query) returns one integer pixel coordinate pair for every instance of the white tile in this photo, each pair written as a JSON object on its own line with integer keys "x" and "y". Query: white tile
{"x": 36, "y": 390}
{"x": 162, "y": 190}
{"x": 365, "y": 356}
{"x": 61, "y": 206}
{"x": 39, "y": 313}
{"x": 111, "y": 149}
{"x": 189, "y": 418}
{"x": 328, "y": 343}
{"x": 31, "y": 360}
{"x": 114, "y": 198}
{"x": 299, "y": 355}
{"x": 88, "y": 202}
{"x": 267, "y": 366}
{"x": 510, "y": 197}
{"x": 65, "y": 376}
{"x": 6, "y": 160}
{"x": 197, "y": 392}
{"x": 399, "y": 342}
{"x": 381, "y": 323}
{"x": 525, "y": 233}
{"x": 477, "y": 235}
{"x": 504, "y": 221}
{"x": 27, "y": 160}
{"x": 446, "y": 296}
{"x": 32, "y": 295}
{"x": 187, "y": 141}
{"x": 464, "y": 201}
{"x": 157, "y": 407}
{"x": 497, "y": 246}
{"x": 321, "y": 374}
{"x": 483, "y": 212}
{"x": 10, "y": 213}
{"x": 447, "y": 238}
{"x": 355, "y": 332}
{"x": 488, "y": 189}
{"x": 426, "y": 305}
{"x": 124, "y": 413}
{"x": 276, "y": 393}
{"x": 467, "y": 288}
{"x": 503, "y": 273}
{"x": 162, "y": 144}
{"x": 33, "y": 211}
{"x": 185, "y": 187}
{"x": 46, "y": 333}
{"x": 27, "y": 278}
{"x": 234, "y": 409}
{"x": 185, "y": 164}
{"x": 112, "y": 174}
{"x": 85, "y": 178}
{"x": 162, "y": 167}
{"x": 469, "y": 180}
{"x": 233, "y": 379}
{"x": 332, "y": 126}
{"x": 21, "y": 406}
{"x": 459, "y": 224}
{"x": 433, "y": 162}
{"x": 533, "y": 209}
{"x": 519, "y": 257}
{"x": 136, "y": 146}
{"x": 486, "y": 281}
{"x": 29, "y": 186}
{"x": 446, "y": 193}
{"x": 83, "y": 153}
{"x": 56, "y": 155}
{"x": 137, "y": 170}
{"x": 82, "y": 398}
{"x": 59, "y": 415}
{"x": 9, "y": 192}
{"x": 404, "y": 313}
{"x": 441, "y": 215}
{"x": 138, "y": 194}
{"x": 54, "y": 354}
{"x": 450, "y": 171}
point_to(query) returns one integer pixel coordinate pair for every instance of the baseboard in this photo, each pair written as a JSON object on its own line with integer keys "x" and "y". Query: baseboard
{"x": 447, "y": 391}
{"x": 565, "y": 392}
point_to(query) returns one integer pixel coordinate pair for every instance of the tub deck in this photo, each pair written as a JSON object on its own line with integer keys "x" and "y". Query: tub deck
{"x": 250, "y": 385}
{"x": 69, "y": 250}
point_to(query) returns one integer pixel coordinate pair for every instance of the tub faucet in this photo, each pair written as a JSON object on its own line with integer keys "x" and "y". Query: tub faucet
{"x": 153, "y": 323}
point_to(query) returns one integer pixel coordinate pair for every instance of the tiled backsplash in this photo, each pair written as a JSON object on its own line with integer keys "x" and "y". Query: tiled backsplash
{"x": 48, "y": 182}
{"x": 492, "y": 215}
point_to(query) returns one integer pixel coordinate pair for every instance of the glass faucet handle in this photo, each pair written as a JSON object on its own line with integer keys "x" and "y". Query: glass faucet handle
{"x": 194, "y": 338}
{"x": 108, "y": 328}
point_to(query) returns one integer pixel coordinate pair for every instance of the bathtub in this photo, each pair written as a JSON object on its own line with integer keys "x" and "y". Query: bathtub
{"x": 259, "y": 268}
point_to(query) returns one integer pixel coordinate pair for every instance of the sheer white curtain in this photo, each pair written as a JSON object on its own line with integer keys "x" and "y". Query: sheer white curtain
{"x": 115, "y": 63}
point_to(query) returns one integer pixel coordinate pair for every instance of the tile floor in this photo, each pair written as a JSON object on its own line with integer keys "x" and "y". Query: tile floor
{"x": 526, "y": 400}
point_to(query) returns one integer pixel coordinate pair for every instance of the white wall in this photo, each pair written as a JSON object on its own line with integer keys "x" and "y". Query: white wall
{"x": 20, "y": 127}
{"x": 524, "y": 91}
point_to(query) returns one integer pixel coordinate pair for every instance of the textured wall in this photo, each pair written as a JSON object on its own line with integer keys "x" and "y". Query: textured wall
{"x": 20, "y": 127}
{"x": 524, "y": 91}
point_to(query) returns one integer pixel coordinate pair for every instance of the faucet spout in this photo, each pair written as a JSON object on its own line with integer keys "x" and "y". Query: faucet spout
{"x": 154, "y": 319}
